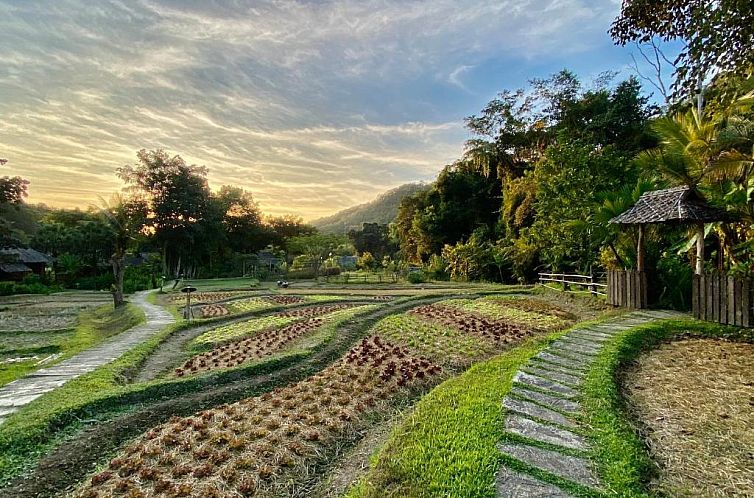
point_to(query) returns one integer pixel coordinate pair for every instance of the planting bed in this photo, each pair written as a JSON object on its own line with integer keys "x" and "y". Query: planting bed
{"x": 236, "y": 353}
{"x": 207, "y": 297}
{"x": 248, "y": 327}
{"x": 265, "y": 444}
{"x": 494, "y": 330}
{"x": 528, "y": 312}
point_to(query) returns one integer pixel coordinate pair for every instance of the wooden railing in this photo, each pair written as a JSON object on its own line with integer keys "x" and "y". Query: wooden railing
{"x": 719, "y": 298}
{"x": 587, "y": 283}
{"x": 627, "y": 288}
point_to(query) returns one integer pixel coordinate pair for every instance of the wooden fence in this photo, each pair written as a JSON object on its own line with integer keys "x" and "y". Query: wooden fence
{"x": 719, "y": 298}
{"x": 587, "y": 283}
{"x": 627, "y": 288}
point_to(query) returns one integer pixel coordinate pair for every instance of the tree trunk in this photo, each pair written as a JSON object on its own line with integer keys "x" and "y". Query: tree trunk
{"x": 640, "y": 250}
{"x": 119, "y": 270}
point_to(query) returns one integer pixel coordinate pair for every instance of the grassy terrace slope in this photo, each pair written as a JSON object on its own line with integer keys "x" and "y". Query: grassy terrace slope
{"x": 274, "y": 443}
{"x": 39, "y": 429}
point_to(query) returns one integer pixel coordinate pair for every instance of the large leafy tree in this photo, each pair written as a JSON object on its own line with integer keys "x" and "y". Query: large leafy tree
{"x": 178, "y": 197}
{"x": 13, "y": 190}
{"x": 717, "y": 36}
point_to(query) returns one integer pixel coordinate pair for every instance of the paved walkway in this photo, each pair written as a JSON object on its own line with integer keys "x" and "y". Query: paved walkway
{"x": 23, "y": 391}
{"x": 542, "y": 406}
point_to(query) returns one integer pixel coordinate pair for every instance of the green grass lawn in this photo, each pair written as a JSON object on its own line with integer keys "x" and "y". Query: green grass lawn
{"x": 94, "y": 326}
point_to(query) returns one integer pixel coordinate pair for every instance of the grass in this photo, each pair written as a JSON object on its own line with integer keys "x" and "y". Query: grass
{"x": 215, "y": 284}
{"x": 439, "y": 342}
{"x": 447, "y": 446}
{"x": 94, "y": 326}
{"x": 501, "y": 309}
{"x": 35, "y": 429}
{"x": 622, "y": 457}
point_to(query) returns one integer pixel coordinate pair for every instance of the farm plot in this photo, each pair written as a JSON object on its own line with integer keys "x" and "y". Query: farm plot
{"x": 267, "y": 444}
{"x": 252, "y": 304}
{"x": 468, "y": 323}
{"x": 529, "y": 312}
{"x": 46, "y": 313}
{"x": 248, "y": 327}
{"x": 273, "y": 444}
{"x": 207, "y": 297}
{"x": 268, "y": 342}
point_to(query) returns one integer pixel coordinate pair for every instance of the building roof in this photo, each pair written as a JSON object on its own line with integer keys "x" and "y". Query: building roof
{"x": 678, "y": 204}
{"x": 14, "y": 268}
{"x": 27, "y": 255}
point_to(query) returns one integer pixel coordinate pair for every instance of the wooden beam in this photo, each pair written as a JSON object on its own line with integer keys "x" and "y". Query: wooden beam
{"x": 699, "y": 249}
{"x": 640, "y": 249}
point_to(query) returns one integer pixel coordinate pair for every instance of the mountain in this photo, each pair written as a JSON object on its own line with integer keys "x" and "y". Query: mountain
{"x": 381, "y": 210}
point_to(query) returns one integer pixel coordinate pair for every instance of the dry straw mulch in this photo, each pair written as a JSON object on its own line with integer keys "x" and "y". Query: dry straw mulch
{"x": 695, "y": 402}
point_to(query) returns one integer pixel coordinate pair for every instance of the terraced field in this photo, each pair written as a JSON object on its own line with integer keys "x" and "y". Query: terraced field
{"x": 272, "y": 444}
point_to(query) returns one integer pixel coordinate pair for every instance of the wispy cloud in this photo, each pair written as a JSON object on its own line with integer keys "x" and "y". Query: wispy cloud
{"x": 312, "y": 106}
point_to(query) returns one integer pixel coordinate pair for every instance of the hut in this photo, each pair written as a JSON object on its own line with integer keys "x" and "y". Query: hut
{"x": 680, "y": 205}
{"x": 18, "y": 262}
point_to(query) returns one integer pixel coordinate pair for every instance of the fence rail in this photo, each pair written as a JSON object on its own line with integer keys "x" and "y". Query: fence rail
{"x": 719, "y": 298}
{"x": 592, "y": 283}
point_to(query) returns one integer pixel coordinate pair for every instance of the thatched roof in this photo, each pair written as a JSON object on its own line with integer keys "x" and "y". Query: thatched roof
{"x": 14, "y": 268}
{"x": 26, "y": 255}
{"x": 678, "y": 204}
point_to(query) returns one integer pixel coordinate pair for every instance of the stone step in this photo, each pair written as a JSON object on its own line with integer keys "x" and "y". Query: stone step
{"x": 573, "y": 468}
{"x": 536, "y": 411}
{"x": 512, "y": 484}
{"x": 544, "y": 433}
{"x": 564, "y": 405}
{"x": 549, "y": 385}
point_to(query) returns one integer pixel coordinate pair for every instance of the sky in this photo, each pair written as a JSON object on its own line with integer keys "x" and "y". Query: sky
{"x": 312, "y": 106}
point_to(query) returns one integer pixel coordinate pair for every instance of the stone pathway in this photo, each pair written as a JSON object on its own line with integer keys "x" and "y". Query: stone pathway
{"x": 23, "y": 391}
{"x": 541, "y": 408}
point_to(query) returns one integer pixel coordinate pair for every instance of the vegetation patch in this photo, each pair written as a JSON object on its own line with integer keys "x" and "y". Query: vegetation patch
{"x": 447, "y": 446}
{"x": 624, "y": 462}
{"x": 446, "y": 345}
{"x": 236, "y": 353}
{"x": 694, "y": 400}
{"x": 260, "y": 444}
{"x": 44, "y": 349}
{"x": 513, "y": 311}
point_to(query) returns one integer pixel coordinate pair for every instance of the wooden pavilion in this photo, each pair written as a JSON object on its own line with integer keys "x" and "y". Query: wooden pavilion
{"x": 679, "y": 205}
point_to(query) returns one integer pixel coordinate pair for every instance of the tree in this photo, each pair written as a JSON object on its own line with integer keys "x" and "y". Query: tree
{"x": 126, "y": 219}
{"x": 316, "y": 248}
{"x": 241, "y": 219}
{"x": 13, "y": 190}
{"x": 286, "y": 227}
{"x": 718, "y": 36}
{"x": 178, "y": 197}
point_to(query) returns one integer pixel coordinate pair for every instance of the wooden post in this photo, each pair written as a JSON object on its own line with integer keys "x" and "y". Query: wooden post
{"x": 640, "y": 250}
{"x": 699, "y": 249}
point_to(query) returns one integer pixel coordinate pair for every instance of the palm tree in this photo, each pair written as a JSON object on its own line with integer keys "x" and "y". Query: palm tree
{"x": 126, "y": 218}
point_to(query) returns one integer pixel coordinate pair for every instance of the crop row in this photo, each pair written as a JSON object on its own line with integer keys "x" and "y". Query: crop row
{"x": 207, "y": 297}
{"x": 262, "y": 445}
{"x": 261, "y": 344}
{"x": 512, "y": 311}
{"x": 494, "y": 330}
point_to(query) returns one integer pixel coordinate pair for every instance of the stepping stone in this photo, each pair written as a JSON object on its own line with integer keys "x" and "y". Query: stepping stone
{"x": 565, "y": 405}
{"x": 536, "y": 411}
{"x": 559, "y": 351}
{"x": 568, "y": 467}
{"x": 577, "y": 342}
{"x": 571, "y": 348}
{"x": 554, "y": 375}
{"x": 512, "y": 484}
{"x": 585, "y": 335}
{"x": 562, "y": 362}
{"x": 551, "y": 367}
{"x": 543, "y": 432}
{"x": 556, "y": 387}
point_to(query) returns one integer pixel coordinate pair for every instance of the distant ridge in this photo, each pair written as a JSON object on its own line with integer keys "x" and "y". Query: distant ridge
{"x": 381, "y": 210}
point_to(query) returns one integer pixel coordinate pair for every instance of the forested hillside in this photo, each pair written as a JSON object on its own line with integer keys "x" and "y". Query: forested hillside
{"x": 382, "y": 210}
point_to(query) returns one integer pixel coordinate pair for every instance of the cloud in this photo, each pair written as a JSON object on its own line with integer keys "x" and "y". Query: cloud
{"x": 310, "y": 105}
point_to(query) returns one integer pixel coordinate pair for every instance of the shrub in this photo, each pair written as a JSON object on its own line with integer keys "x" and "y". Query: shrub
{"x": 416, "y": 277}
{"x": 301, "y": 274}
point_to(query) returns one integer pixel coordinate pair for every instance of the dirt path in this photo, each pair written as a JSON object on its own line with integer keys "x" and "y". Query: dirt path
{"x": 75, "y": 459}
{"x": 23, "y": 391}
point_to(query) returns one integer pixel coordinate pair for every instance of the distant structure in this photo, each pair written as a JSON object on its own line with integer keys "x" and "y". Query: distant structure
{"x": 18, "y": 262}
